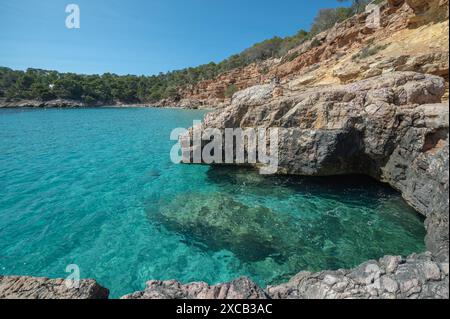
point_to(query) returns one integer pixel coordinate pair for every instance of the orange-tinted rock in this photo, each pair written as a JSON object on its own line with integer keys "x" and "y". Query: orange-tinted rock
{"x": 326, "y": 52}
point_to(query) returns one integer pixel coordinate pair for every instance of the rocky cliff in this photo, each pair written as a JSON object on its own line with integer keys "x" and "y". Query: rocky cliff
{"x": 412, "y": 36}
{"x": 367, "y": 113}
{"x": 392, "y": 127}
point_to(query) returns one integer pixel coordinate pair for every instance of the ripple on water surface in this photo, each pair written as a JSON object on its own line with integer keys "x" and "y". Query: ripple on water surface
{"x": 96, "y": 188}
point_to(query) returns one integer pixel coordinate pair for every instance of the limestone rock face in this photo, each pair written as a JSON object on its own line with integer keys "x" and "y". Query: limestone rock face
{"x": 421, "y": 6}
{"x": 44, "y": 288}
{"x": 242, "y": 288}
{"x": 358, "y": 69}
{"x": 254, "y": 95}
{"x": 328, "y": 58}
{"x": 392, "y": 127}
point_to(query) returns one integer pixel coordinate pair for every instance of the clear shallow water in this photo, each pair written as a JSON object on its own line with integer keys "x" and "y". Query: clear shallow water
{"x": 95, "y": 187}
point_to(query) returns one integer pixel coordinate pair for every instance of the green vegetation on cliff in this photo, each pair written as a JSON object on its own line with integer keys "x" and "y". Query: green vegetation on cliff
{"x": 109, "y": 88}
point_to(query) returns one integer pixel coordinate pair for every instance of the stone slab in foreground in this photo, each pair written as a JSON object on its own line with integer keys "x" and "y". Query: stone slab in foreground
{"x": 15, "y": 287}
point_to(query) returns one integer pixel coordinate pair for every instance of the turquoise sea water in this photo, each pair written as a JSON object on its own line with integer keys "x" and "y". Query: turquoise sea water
{"x": 96, "y": 188}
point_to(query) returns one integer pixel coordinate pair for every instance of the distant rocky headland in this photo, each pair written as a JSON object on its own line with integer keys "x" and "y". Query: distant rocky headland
{"x": 64, "y": 103}
{"x": 57, "y": 103}
{"x": 352, "y": 99}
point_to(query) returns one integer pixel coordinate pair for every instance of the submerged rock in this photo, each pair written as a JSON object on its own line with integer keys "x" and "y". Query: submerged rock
{"x": 220, "y": 222}
{"x": 324, "y": 233}
{"x": 44, "y": 288}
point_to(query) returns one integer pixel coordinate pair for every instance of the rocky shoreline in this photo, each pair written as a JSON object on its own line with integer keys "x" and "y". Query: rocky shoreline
{"x": 387, "y": 122}
{"x": 391, "y": 127}
{"x": 61, "y": 103}
{"x": 40, "y": 104}
{"x": 392, "y": 277}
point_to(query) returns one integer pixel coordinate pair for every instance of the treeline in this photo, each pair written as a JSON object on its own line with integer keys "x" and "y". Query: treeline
{"x": 109, "y": 88}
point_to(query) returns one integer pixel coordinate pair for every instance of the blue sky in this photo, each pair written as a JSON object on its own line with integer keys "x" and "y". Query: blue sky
{"x": 142, "y": 36}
